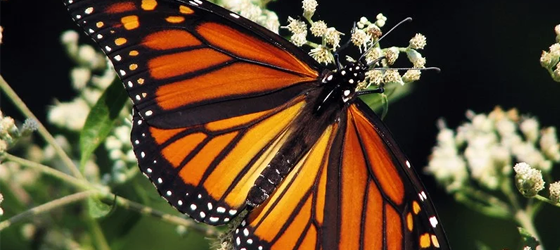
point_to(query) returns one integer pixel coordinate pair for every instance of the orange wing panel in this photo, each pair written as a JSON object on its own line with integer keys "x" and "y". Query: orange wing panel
{"x": 295, "y": 230}
{"x": 251, "y": 143}
{"x": 394, "y": 228}
{"x": 120, "y": 7}
{"x": 170, "y": 39}
{"x": 192, "y": 172}
{"x": 281, "y": 208}
{"x": 373, "y": 234}
{"x": 354, "y": 179}
{"x": 321, "y": 194}
{"x": 162, "y": 135}
{"x": 310, "y": 240}
{"x": 248, "y": 47}
{"x": 380, "y": 158}
{"x": 179, "y": 149}
{"x": 180, "y": 63}
{"x": 235, "y": 121}
{"x": 236, "y": 79}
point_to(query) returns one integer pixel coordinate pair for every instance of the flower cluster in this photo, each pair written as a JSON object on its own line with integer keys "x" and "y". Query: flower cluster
{"x": 550, "y": 59}
{"x": 484, "y": 149}
{"x": 10, "y": 133}
{"x": 365, "y": 36}
{"x": 475, "y": 163}
{"x": 254, "y": 11}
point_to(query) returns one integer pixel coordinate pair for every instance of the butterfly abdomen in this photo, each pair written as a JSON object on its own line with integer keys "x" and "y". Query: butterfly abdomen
{"x": 297, "y": 145}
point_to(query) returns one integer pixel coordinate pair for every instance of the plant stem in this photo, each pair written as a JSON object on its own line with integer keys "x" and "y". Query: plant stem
{"x": 47, "y": 207}
{"x": 100, "y": 240}
{"x": 190, "y": 224}
{"x": 525, "y": 221}
{"x": 81, "y": 184}
{"x": 542, "y": 198}
{"x": 109, "y": 197}
{"x": 41, "y": 129}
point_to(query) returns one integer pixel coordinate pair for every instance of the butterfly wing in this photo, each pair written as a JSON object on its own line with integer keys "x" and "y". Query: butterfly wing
{"x": 213, "y": 95}
{"x": 354, "y": 190}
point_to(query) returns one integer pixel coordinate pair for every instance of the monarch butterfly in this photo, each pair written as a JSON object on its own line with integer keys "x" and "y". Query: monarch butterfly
{"x": 229, "y": 116}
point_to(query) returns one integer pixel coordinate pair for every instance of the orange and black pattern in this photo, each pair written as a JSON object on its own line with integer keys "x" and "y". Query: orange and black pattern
{"x": 229, "y": 116}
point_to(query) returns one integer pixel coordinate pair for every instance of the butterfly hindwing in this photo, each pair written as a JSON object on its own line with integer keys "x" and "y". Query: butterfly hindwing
{"x": 354, "y": 190}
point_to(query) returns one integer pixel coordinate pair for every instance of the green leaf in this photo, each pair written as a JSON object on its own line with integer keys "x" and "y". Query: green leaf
{"x": 528, "y": 239}
{"x": 101, "y": 119}
{"x": 96, "y": 208}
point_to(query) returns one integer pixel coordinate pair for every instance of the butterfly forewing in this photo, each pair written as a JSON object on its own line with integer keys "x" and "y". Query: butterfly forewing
{"x": 183, "y": 65}
{"x": 211, "y": 97}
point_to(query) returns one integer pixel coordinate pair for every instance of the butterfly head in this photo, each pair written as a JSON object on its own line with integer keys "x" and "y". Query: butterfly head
{"x": 340, "y": 86}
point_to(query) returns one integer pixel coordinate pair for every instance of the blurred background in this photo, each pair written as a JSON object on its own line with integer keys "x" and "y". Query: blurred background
{"x": 488, "y": 53}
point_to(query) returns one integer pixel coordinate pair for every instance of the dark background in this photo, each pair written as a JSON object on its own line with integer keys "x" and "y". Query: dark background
{"x": 488, "y": 52}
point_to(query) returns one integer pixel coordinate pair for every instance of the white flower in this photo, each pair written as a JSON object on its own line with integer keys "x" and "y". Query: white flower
{"x": 71, "y": 115}
{"x": 318, "y": 28}
{"x": 549, "y": 144}
{"x": 309, "y": 7}
{"x": 554, "y": 190}
{"x": 529, "y": 181}
{"x": 530, "y": 129}
{"x": 418, "y": 41}
{"x": 80, "y": 77}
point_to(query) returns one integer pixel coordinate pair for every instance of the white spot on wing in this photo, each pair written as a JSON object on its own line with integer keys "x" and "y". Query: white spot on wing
{"x": 433, "y": 221}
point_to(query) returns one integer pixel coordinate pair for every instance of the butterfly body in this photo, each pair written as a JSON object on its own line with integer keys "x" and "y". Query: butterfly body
{"x": 335, "y": 91}
{"x": 229, "y": 116}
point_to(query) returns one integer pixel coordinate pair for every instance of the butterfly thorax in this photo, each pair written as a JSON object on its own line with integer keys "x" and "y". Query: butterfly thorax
{"x": 325, "y": 104}
{"x": 340, "y": 85}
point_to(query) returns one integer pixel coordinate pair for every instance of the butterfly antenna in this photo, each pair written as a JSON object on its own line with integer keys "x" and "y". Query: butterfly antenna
{"x": 421, "y": 69}
{"x": 408, "y": 19}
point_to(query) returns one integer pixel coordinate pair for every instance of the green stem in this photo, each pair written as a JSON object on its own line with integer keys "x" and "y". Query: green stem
{"x": 109, "y": 197}
{"x": 47, "y": 207}
{"x": 486, "y": 198}
{"x": 41, "y": 129}
{"x": 486, "y": 209}
{"x": 542, "y": 198}
{"x": 81, "y": 184}
{"x": 190, "y": 224}
{"x": 100, "y": 240}
{"x": 525, "y": 221}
